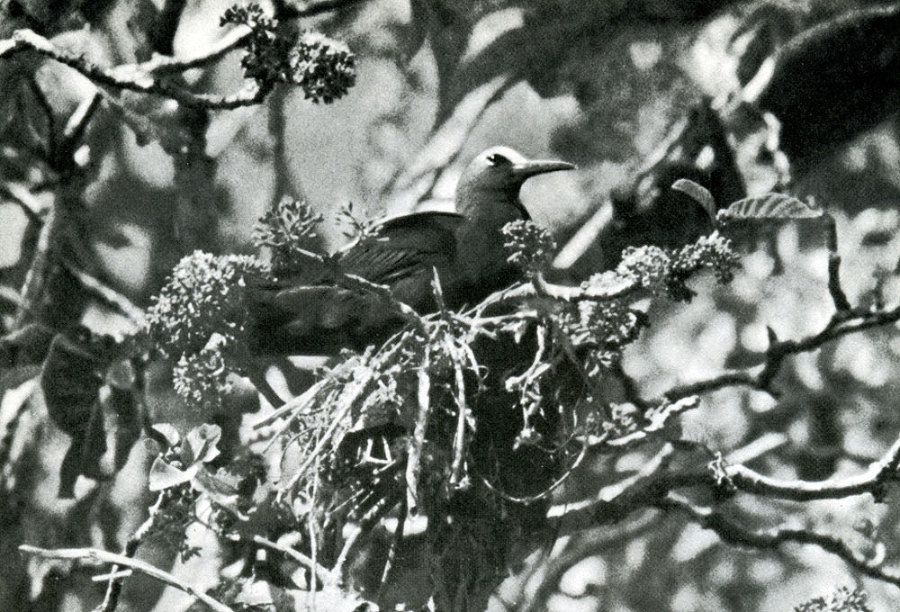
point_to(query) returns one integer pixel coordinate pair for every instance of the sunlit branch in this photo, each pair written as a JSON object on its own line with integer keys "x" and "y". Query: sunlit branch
{"x": 139, "y": 77}
{"x": 123, "y": 561}
{"x": 733, "y": 533}
{"x": 780, "y": 350}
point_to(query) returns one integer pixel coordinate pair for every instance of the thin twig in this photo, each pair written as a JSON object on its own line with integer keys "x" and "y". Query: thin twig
{"x": 325, "y": 440}
{"x": 312, "y": 528}
{"x": 396, "y": 542}
{"x": 78, "y": 122}
{"x": 870, "y": 481}
{"x": 585, "y": 546}
{"x": 462, "y": 418}
{"x": 838, "y": 297}
{"x": 106, "y": 293}
{"x": 39, "y": 270}
{"x": 29, "y": 204}
{"x": 121, "y": 560}
{"x": 548, "y": 491}
{"x": 417, "y": 441}
{"x": 116, "y": 579}
{"x": 322, "y": 573}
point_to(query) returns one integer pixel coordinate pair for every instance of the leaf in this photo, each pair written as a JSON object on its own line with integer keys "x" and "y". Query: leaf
{"x": 201, "y": 444}
{"x": 168, "y": 431}
{"x": 71, "y": 378}
{"x": 256, "y": 593}
{"x": 699, "y": 193}
{"x": 27, "y": 345}
{"x": 261, "y": 594}
{"x": 164, "y": 475}
{"x": 128, "y": 424}
{"x": 770, "y": 206}
{"x": 84, "y": 454}
{"x": 218, "y": 490}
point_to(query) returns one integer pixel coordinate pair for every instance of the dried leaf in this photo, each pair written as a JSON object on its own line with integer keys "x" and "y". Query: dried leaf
{"x": 698, "y": 193}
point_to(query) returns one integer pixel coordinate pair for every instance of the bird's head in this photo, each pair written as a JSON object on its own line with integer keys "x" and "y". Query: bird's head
{"x": 497, "y": 174}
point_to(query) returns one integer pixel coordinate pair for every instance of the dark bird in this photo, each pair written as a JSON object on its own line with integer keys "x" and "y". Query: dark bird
{"x": 315, "y": 313}
{"x": 836, "y": 80}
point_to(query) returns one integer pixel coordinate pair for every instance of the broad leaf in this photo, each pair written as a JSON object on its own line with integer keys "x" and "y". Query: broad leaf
{"x": 71, "y": 379}
{"x": 168, "y": 431}
{"x": 165, "y": 476}
{"x": 127, "y": 423}
{"x": 771, "y": 206}
{"x": 201, "y": 444}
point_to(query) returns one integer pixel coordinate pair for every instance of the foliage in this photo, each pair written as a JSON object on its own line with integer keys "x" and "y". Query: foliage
{"x": 842, "y": 600}
{"x": 324, "y": 68}
{"x": 693, "y": 417}
{"x": 199, "y": 319}
{"x": 285, "y": 229}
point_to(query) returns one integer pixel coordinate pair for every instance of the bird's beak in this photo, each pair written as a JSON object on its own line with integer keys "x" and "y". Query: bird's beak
{"x": 539, "y": 166}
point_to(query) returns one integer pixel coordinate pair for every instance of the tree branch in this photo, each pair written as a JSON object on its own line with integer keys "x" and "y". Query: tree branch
{"x": 844, "y": 323}
{"x": 139, "y": 77}
{"x": 870, "y": 481}
{"x": 116, "y": 578}
{"x": 733, "y": 533}
{"x": 284, "y": 10}
{"x": 326, "y": 576}
{"x": 121, "y": 560}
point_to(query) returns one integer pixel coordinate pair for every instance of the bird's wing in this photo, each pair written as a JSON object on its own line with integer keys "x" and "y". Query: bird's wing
{"x": 403, "y": 246}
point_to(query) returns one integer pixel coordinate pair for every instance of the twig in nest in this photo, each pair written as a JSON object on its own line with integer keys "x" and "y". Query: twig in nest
{"x": 417, "y": 441}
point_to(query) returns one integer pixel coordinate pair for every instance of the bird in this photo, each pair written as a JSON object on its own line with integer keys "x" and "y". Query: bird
{"x": 313, "y": 312}
{"x": 835, "y": 81}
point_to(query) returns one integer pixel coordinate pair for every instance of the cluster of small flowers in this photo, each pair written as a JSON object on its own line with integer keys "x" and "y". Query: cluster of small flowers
{"x": 267, "y": 51}
{"x": 647, "y": 265}
{"x": 712, "y": 251}
{"x": 531, "y": 247}
{"x": 842, "y": 600}
{"x": 198, "y": 314}
{"x": 202, "y": 378}
{"x": 610, "y": 323}
{"x": 284, "y": 229}
{"x": 202, "y": 297}
{"x": 323, "y": 67}
{"x": 657, "y": 269}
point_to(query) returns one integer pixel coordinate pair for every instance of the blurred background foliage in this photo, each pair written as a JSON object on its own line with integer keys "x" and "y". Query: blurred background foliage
{"x": 598, "y": 84}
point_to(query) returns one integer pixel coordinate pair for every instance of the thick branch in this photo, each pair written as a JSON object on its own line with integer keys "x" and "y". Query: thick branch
{"x": 840, "y": 326}
{"x": 139, "y": 77}
{"x": 870, "y": 481}
{"x": 654, "y": 481}
{"x": 733, "y": 533}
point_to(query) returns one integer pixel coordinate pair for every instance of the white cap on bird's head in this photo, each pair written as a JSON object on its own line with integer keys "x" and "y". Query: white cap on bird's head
{"x": 496, "y": 175}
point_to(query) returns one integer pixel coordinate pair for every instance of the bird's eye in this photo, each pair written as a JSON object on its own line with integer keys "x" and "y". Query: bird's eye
{"x": 497, "y": 160}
